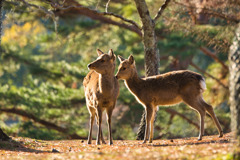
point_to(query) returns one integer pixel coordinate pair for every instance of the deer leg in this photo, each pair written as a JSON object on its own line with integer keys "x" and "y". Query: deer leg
{"x": 99, "y": 112}
{"x": 209, "y": 109}
{"x": 202, "y": 114}
{"x": 194, "y": 102}
{"x": 109, "y": 115}
{"x": 92, "y": 117}
{"x": 148, "y": 118}
{"x": 152, "y": 126}
{"x": 102, "y": 138}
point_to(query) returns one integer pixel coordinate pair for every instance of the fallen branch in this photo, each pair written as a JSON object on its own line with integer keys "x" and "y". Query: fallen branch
{"x": 209, "y": 75}
{"x": 213, "y": 56}
{"x": 174, "y": 112}
{"x": 43, "y": 122}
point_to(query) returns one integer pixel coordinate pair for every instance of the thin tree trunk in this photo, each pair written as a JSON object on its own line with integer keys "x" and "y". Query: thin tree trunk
{"x": 151, "y": 54}
{"x": 150, "y": 51}
{"x": 149, "y": 39}
{"x": 141, "y": 128}
{"x": 234, "y": 83}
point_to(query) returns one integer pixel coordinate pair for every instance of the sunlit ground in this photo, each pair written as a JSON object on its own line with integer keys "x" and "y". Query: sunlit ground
{"x": 211, "y": 147}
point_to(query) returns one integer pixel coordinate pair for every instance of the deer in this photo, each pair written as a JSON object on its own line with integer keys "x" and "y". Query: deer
{"x": 165, "y": 90}
{"x": 101, "y": 91}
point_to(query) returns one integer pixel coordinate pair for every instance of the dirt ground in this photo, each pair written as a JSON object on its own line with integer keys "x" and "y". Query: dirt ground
{"x": 211, "y": 147}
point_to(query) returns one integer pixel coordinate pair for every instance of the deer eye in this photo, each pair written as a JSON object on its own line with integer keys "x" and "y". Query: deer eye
{"x": 123, "y": 68}
{"x": 102, "y": 60}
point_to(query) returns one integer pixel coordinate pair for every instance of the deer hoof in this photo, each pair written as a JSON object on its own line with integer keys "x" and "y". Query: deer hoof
{"x": 220, "y": 135}
{"x": 98, "y": 143}
{"x": 199, "y": 139}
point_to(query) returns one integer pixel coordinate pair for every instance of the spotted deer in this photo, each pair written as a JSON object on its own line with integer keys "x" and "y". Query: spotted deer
{"x": 166, "y": 89}
{"x": 101, "y": 91}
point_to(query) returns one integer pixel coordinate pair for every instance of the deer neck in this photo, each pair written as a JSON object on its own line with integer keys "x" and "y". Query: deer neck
{"x": 106, "y": 83}
{"x": 134, "y": 83}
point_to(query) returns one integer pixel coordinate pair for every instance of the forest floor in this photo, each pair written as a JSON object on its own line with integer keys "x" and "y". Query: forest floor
{"x": 211, "y": 147}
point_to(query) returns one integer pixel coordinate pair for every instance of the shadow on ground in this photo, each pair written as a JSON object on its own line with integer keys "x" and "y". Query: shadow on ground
{"x": 187, "y": 141}
{"x": 12, "y": 145}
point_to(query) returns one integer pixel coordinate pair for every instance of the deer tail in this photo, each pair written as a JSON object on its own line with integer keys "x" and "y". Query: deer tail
{"x": 202, "y": 85}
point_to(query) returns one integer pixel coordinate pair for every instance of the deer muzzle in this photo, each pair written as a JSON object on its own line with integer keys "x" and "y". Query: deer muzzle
{"x": 89, "y": 66}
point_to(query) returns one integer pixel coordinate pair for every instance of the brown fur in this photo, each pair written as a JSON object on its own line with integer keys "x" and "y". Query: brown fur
{"x": 166, "y": 89}
{"x": 101, "y": 91}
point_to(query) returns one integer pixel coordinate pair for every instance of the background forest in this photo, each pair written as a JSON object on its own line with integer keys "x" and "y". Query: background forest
{"x": 46, "y": 51}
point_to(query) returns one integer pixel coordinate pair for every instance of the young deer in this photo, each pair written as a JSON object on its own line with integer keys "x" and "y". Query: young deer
{"x": 101, "y": 92}
{"x": 166, "y": 89}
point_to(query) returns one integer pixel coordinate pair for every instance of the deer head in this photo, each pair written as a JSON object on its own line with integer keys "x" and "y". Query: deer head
{"x": 105, "y": 63}
{"x": 126, "y": 68}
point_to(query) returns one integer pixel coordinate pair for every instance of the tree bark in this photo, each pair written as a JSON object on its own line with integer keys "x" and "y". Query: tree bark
{"x": 149, "y": 39}
{"x": 150, "y": 51}
{"x": 234, "y": 84}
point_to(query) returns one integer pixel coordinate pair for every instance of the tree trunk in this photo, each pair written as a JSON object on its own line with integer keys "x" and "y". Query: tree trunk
{"x": 234, "y": 83}
{"x": 149, "y": 39}
{"x": 150, "y": 51}
{"x": 3, "y": 136}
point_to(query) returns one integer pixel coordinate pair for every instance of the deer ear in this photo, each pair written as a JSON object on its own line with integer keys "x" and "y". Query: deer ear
{"x": 131, "y": 59}
{"x": 99, "y": 52}
{"x": 120, "y": 58}
{"x": 111, "y": 54}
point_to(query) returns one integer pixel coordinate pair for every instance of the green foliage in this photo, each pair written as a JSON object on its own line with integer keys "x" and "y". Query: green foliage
{"x": 173, "y": 129}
